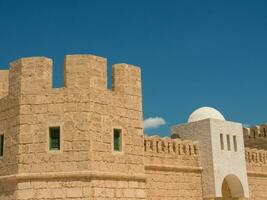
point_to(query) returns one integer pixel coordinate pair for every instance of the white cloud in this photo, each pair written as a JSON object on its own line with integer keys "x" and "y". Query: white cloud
{"x": 153, "y": 122}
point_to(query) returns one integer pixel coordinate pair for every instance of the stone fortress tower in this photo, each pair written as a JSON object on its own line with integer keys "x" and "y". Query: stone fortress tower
{"x": 222, "y": 151}
{"x": 84, "y": 141}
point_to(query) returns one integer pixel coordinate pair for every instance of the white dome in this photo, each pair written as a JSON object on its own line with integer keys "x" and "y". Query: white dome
{"x": 205, "y": 113}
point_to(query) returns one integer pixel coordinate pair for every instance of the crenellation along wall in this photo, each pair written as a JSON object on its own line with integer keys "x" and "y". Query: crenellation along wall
{"x": 167, "y": 151}
{"x": 172, "y": 169}
{"x": 256, "y": 136}
{"x": 257, "y": 173}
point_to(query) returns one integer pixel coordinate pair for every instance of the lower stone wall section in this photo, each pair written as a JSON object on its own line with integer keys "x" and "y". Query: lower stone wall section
{"x": 257, "y": 177}
{"x": 116, "y": 189}
{"x": 161, "y": 183}
{"x": 8, "y": 190}
{"x": 171, "y": 185}
{"x": 54, "y": 189}
{"x": 72, "y": 189}
{"x": 257, "y": 187}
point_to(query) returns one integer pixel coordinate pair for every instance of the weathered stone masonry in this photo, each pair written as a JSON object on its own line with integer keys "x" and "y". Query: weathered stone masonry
{"x": 86, "y": 111}
{"x": 86, "y": 166}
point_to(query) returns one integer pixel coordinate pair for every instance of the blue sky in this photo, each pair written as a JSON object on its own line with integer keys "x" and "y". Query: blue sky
{"x": 192, "y": 53}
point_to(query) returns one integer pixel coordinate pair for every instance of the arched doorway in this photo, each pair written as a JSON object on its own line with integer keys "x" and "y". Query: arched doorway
{"x": 232, "y": 188}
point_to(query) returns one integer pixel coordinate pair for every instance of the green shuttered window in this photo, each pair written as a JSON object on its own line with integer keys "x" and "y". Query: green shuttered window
{"x": 54, "y": 138}
{"x": 117, "y": 139}
{"x": 1, "y": 145}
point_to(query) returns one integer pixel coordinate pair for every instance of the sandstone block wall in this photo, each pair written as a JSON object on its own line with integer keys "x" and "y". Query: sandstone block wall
{"x": 80, "y": 189}
{"x": 86, "y": 112}
{"x": 257, "y": 173}
{"x": 54, "y": 189}
{"x": 113, "y": 189}
{"x": 172, "y": 170}
{"x": 9, "y": 125}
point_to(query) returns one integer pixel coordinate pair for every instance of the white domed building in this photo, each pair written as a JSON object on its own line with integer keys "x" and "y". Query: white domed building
{"x": 205, "y": 113}
{"x": 222, "y": 151}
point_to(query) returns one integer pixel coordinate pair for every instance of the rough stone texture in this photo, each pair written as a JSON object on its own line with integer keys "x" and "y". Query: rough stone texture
{"x": 172, "y": 169}
{"x": 118, "y": 189}
{"x": 86, "y": 112}
{"x": 54, "y": 189}
{"x": 169, "y": 185}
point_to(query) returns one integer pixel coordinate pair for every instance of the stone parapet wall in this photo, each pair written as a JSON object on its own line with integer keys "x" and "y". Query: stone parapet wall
{"x": 172, "y": 169}
{"x": 256, "y": 160}
{"x": 167, "y": 151}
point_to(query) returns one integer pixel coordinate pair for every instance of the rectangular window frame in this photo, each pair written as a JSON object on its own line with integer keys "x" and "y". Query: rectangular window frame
{"x": 235, "y": 143}
{"x": 50, "y": 148}
{"x": 2, "y": 145}
{"x": 228, "y": 142}
{"x": 222, "y": 141}
{"x": 114, "y": 148}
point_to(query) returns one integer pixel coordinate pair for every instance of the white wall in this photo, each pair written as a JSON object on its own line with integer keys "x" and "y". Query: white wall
{"x": 217, "y": 163}
{"x": 227, "y": 162}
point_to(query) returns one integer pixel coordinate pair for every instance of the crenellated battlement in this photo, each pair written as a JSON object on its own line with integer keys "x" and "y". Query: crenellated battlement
{"x": 158, "y": 145}
{"x": 84, "y": 109}
{"x": 85, "y": 71}
{"x": 256, "y": 136}
{"x": 170, "y": 152}
{"x": 256, "y": 160}
{"x": 256, "y": 156}
{"x": 256, "y": 131}
{"x": 33, "y": 75}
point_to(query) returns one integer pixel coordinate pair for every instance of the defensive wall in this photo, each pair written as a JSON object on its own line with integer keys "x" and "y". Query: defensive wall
{"x": 86, "y": 167}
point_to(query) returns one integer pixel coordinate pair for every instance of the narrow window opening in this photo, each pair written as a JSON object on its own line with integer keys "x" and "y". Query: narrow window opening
{"x": 145, "y": 143}
{"x": 157, "y": 146}
{"x": 117, "y": 140}
{"x": 235, "y": 143}
{"x": 221, "y": 140}
{"x": 228, "y": 143}
{"x": 54, "y": 138}
{"x": 1, "y": 145}
{"x": 264, "y": 132}
{"x": 254, "y": 133}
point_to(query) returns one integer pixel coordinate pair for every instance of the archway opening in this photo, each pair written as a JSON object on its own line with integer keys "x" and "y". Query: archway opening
{"x": 232, "y": 188}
